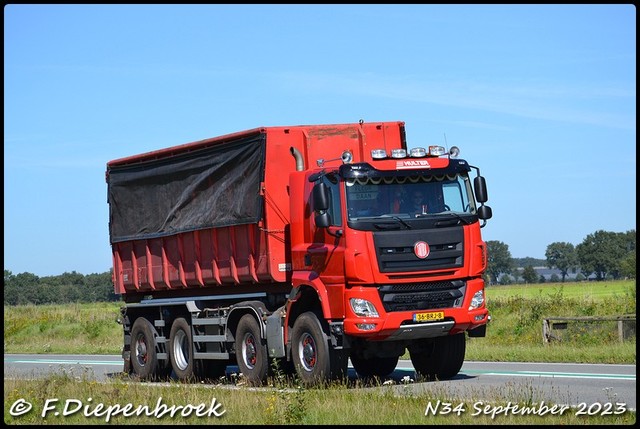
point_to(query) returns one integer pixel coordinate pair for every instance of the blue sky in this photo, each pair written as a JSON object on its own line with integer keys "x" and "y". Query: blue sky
{"x": 541, "y": 97}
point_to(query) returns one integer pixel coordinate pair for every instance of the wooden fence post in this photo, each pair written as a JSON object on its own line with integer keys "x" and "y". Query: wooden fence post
{"x": 545, "y": 331}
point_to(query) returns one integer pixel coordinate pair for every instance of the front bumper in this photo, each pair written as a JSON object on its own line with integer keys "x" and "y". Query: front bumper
{"x": 400, "y": 325}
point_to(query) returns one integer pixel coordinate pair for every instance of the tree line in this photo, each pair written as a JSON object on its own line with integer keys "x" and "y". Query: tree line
{"x": 603, "y": 254}
{"x": 27, "y": 288}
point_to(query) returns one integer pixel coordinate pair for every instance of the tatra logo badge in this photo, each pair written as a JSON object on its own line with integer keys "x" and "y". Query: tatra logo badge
{"x": 421, "y": 249}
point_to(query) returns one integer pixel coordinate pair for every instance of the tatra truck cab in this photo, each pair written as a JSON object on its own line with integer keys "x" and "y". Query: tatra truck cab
{"x": 300, "y": 247}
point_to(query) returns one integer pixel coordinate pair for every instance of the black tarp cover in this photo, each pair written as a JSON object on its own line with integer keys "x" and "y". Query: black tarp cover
{"x": 211, "y": 187}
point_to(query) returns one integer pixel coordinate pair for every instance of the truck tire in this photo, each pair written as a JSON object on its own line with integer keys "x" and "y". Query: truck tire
{"x": 251, "y": 351}
{"x": 374, "y": 367}
{"x": 181, "y": 350}
{"x": 438, "y": 358}
{"x": 144, "y": 358}
{"x": 315, "y": 361}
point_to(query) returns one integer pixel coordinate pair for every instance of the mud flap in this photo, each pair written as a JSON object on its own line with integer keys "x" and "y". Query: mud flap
{"x": 480, "y": 331}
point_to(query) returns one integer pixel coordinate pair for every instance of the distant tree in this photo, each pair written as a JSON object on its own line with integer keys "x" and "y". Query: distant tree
{"x": 628, "y": 265}
{"x": 498, "y": 260}
{"x": 541, "y": 279}
{"x": 628, "y": 262}
{"x": 630, "y": 240}
{"x": 486, "y": 277}
{"x": 22, "y": 289}
{"x": 27, "y": 288}
{"x": 99, "y": 287}
{"x": 529, "y": 274}
{"x": 10, "y": 292}
{"x": 516, "y": 273}
{"x": 602, "y": 252}
{"x": 523, "y": 262}
{"x": 561, "y": 256}
{"x": 554, "y": 278}
{"x": 71, "y": 293}
{"x": 73, "y": 278}
{"x": 506, "y": 279}
{"x": 49, "y": 291}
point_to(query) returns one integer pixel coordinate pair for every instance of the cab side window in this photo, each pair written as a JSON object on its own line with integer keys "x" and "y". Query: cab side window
{"x": 335, "y": 207}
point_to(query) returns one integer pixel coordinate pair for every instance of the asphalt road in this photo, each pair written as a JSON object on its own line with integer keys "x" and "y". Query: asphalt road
{"x": 581, "y": 385}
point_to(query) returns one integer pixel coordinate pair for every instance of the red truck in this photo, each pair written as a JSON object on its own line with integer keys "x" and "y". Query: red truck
{"x": 299, "y": 248}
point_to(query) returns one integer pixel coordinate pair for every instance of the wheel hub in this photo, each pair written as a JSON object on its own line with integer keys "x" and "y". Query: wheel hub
{"x": 141, "y": 351}
{"x": 308, "y": 352}
{"x": 249, "y": 351}
{"x": 180, "y": 351}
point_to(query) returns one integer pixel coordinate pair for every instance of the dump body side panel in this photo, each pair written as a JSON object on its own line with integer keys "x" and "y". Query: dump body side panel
{"x": 215, "y": 213}
{"x": 197, "y": 259}
{"x": 189, "y": 216}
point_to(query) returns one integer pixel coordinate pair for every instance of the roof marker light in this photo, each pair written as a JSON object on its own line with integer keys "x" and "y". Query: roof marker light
{"x": 454, "y": 152}
{"x": 398, "y": 153}
{"x": 378, "y": 154}
{"x": 436, "y": 150}
{"x": 418, "y": 152}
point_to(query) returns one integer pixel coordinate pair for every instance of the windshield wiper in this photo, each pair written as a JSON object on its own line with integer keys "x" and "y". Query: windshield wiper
{"x": 383, "y": 225}
{"x": 456, "y": 215}
{"x": 401, "y": 221}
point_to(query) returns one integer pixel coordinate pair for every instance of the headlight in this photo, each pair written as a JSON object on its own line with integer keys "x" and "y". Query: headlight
{"x": 363, "y": 308}
{"x": 477, "y": 300}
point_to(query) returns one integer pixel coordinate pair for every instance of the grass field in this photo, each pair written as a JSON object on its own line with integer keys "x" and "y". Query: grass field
{"x": 275, "y": 405}
{"x": 515, "y": 331}
{"x": 514, "y": 334}
{"x": 581, "y": 290}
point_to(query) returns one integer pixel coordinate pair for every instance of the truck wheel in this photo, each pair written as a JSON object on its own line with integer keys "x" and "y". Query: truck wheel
{"x": 144, "y": 359}
{"x": 181, "y": 349}
{"x": 315, "y": 361}
{"x": 251, "y": 352}
{"x": 374, "y": 367}
{"x": 438, "y": 358}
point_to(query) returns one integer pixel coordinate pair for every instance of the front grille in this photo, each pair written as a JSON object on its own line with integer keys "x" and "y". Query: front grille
{"x": 422, "y": 296}
{"x": 395, "y": 249}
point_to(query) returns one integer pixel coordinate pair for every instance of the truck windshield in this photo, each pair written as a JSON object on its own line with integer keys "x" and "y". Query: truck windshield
{"x": 409, "y": 197}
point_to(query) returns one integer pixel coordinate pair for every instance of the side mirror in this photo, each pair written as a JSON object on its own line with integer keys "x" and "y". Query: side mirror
{"x": 320, "y": 197}
{"x": 485, "y": 212}
{"x": 323, "y": 220}
{"x": 480, "y": 187}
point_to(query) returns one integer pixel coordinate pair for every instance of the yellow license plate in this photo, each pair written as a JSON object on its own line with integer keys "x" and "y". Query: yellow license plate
{"x": 428, "y": 317}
